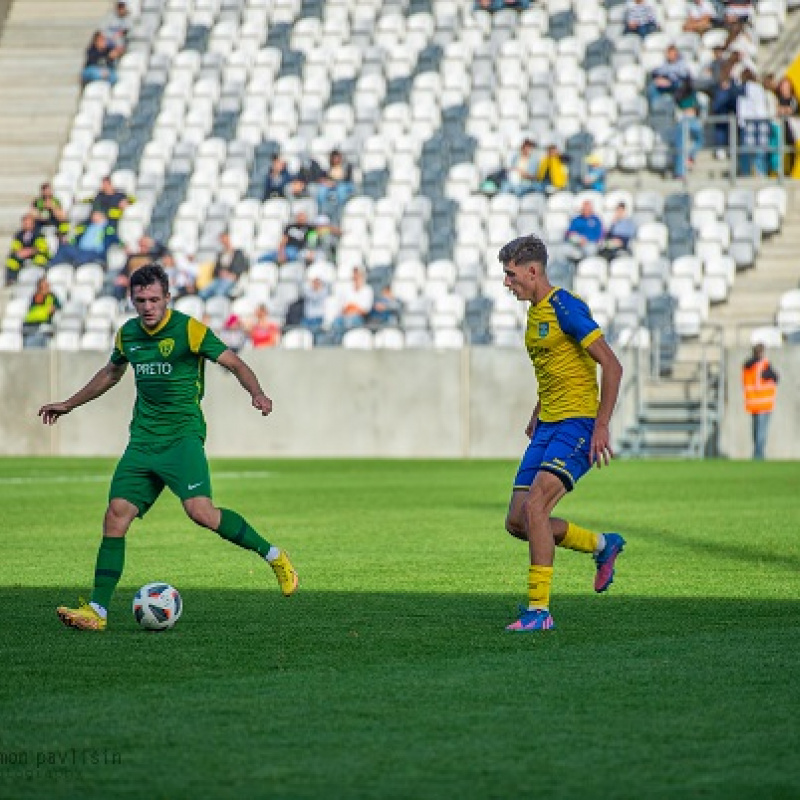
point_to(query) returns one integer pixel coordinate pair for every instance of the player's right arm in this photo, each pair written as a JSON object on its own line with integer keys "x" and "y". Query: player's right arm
{"x": 105, "y": 379}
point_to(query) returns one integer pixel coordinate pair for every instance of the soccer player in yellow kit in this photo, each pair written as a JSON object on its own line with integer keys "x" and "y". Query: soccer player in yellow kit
{"x": 167, "y": 351}
{"x": 568, "y": 429}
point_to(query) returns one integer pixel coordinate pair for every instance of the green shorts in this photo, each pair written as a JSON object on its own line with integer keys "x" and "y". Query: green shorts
{"x": 142, "y": 474}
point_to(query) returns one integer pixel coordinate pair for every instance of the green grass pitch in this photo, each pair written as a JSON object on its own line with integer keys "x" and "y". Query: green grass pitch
{"x": 389, "y": 675}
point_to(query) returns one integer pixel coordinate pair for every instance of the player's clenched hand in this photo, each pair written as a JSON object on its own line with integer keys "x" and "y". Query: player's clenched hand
{"x": 262, "y": 403}
{"x": 601, "y": 452}
{"x": 52, "y": 411}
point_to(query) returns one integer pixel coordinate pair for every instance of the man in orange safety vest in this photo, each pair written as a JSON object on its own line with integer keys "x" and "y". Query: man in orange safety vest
{"x": 760, "y": 381}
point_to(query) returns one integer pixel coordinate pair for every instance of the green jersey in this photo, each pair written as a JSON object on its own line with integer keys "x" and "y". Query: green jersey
{"x": 168, "y": 366}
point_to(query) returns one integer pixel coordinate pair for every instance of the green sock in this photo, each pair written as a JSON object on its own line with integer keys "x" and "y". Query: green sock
{"x": 108, "y": 570}
{"x": 236, "y": 529}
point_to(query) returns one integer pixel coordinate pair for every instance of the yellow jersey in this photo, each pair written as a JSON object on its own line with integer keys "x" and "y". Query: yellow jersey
{"x": 560, "y": 328}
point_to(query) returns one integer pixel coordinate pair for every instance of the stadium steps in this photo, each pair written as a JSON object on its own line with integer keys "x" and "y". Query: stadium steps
{"x": 41, "y": 54}
{"x": 755, "y": 295}
{"x": 677, "y": 414}
{"x": 775, "y": 57}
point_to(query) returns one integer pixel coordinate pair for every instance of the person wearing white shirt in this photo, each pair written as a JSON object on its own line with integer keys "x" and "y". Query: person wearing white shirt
{"x": 753, "y": 120}
{"x": 700, "y": 16}
{"x": 356, "y": 303}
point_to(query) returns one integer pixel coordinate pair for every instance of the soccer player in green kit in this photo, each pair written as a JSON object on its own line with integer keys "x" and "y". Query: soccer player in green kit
{"x": 167, "y": 351}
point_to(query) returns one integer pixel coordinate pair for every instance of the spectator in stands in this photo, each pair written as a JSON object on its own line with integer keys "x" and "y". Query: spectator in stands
{"x": 308, "y": 173}
{"x": 594, "y": 174}
{"x": 91, "y": 244}
{"x": 701, "y": 16}
{"x": 230, "y": 265}
{"x": 278, "y": 178}
{"x": 640, "y": 18}
{"x": 111, "y": 202}
{"x": 37, "y": 324}
{"x": 723, "y": 103}
{"x": 335, "y": 186}
{"x": 499, "y": 5}
{"x": 28, "y": 244}
{"x": 711, "y": 75}
{"x": 667, "y": 78}
{"x": 298, "y": 236}
{"x": 619, "y": 234}
{"x": 786, "y": 108}
{"x": 356, "y": 303}
{"x": 263, "y": 330}
{"x": 739, "y": 10}
{"x": 147, "y": 251}
{"x": 315, "y": 295}
{"x": 752, "y": 118}
{"x": 551, "y": 174}
{"x": 584, "y": 232}
{"x": 760, "y": 382}
{"x": 48, "y": 211}
{"x": 520, "y": 177}
{"x": 182, "y": 271}
{"x": 101, "y": 59}
{"x": 325, "y": 238}
{"x": 386, "y": 308}
{"x": 689, "y": 129}
{"x": 233, "y": 333}
{"x": 117, "y": 25}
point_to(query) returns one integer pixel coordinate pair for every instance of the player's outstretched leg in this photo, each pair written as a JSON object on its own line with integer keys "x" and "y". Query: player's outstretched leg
{"x": 238, "y": 531}
{"x": 605, "y": 560}
{"x": 107, "y": 572}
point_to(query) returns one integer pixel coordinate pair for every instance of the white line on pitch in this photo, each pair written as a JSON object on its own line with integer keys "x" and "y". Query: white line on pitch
{"x": 18, "y": 481}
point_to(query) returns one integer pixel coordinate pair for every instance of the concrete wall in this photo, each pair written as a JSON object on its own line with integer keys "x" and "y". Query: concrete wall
{"x": 334, "y": 402}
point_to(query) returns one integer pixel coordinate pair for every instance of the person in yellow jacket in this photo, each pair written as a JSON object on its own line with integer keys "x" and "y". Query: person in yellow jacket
{"x": 759, "y": 381}
{"x": 552, "y": 174}
{"x": 36, "y": 325}
{"x": 28, "y": 245}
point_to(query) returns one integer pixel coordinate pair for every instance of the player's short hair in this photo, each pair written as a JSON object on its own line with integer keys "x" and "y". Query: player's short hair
{"x": 148, "y": 275}
{"x": 524, "y": 250}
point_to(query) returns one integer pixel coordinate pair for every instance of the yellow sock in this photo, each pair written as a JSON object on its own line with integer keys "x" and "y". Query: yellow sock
{"x": 539, "y": 580}
{"x": 580, "y": 539}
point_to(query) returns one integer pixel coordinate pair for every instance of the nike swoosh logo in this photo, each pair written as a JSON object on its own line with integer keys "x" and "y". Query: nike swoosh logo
{"x": 135, "y": 348}
{"x": 194, "y": 485}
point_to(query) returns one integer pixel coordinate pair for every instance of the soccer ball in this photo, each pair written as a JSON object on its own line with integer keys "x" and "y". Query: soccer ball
{"x": 157, "y": 606}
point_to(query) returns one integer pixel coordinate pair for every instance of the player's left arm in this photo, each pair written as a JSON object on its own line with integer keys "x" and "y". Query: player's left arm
{"x": 248, "y": 380}
{"x": 610, "y": 379}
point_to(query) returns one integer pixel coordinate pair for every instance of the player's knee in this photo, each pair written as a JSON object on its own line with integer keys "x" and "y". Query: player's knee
{"x": 203, "y": 514}
{"x": 533, "y": 507}
{"x": 516, "y": 527}
{"x": 119, "y": 516}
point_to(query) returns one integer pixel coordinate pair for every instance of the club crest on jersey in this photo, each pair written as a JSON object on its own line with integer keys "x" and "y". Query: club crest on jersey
{"x": 166, "y": 346}
{"x": 544, "y": 328}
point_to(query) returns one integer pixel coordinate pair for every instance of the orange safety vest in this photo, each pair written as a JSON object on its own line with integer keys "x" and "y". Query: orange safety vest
{"x": 759, "y": 394}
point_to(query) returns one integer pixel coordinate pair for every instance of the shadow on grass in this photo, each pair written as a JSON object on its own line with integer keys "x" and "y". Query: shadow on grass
{"x": 338, "y": 629}
{"x": 398, "y": 695}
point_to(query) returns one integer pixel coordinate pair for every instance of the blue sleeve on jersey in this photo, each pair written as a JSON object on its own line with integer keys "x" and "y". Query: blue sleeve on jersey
{"x": 573, "y": 315}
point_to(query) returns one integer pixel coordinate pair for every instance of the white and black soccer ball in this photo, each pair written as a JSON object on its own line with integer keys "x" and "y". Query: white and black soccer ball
{"x": 157, "y": 606}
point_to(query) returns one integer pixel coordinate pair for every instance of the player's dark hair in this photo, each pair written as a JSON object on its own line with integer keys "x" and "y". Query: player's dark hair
{"x": 524, "y": 250}
{"x": 148, "y": 275}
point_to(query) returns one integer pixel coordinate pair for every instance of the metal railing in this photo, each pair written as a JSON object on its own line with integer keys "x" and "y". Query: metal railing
{"x": 662, "y": 155}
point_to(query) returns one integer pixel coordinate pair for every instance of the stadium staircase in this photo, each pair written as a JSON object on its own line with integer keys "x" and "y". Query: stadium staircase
{"x": 41, "y": 54}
